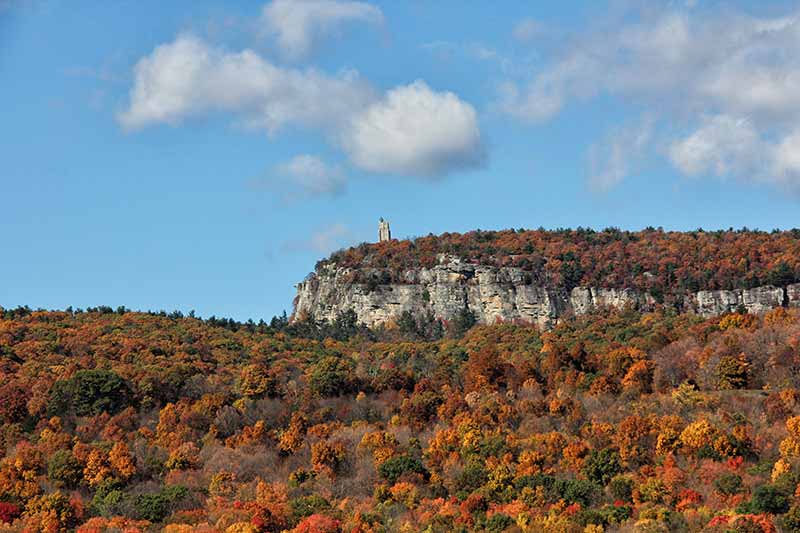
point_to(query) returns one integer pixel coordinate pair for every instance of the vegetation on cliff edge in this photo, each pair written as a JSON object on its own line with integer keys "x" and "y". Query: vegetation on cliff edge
{"x": 663, "y": 263}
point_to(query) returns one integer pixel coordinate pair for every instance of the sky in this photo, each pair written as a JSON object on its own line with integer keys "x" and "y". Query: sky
{"x": 203, "y": 155}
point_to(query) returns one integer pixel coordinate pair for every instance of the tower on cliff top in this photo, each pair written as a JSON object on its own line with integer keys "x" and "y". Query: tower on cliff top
{"x": 384, "y": 233}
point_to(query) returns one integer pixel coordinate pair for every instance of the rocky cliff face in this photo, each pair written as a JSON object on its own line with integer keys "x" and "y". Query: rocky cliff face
{"x": 498, "y": 293}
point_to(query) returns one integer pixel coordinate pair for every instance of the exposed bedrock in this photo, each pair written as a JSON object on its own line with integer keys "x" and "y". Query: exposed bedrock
{"x": 498, "y": 293}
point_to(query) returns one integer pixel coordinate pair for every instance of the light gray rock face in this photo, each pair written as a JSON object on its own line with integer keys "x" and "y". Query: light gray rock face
{"x": 756, "y": 300}
{"x": 793, "y": 295}
{"x": 496, "y": 294}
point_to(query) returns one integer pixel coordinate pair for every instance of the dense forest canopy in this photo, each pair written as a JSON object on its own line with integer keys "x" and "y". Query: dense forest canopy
{"x": 653, "y": 260}
{"x": 112, "y": 420}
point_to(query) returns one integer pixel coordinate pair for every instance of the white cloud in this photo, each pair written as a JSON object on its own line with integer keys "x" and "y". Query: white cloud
{"x": 536, "y": 106}
{"x": 323, "y": 241}
{"x": 620, "y": 153}
{"x": 786, "y": 161}
{"x": 310, "y": 176}
{"x": 742, "y": 64}
{"x": 472, "y": 51}
{"x": 741, "y": 71}
{"x": 188, "y": 78}
{"x": 411, "y": 130}
{"x": 414, "y": 130}
{"x": 298, "y": 24}
{"x": 722, "y": 145}
{"x": 727, "y": 146}
{"x": 483, "y": 52}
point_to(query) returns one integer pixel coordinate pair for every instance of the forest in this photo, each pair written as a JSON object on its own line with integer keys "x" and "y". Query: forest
{"x": 667, "y": 264}
{"x": 113, "y": 420}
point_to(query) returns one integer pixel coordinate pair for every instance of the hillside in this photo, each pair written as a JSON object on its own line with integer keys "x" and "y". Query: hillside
{"x": 539, "y": 276}
{"x": 620, "y": 421}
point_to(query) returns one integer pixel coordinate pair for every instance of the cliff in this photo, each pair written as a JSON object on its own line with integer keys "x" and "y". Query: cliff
{"x": 495, "y": 293}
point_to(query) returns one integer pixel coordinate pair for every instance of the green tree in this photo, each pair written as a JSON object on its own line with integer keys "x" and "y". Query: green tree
{"x": 571, "y": 271}
{"x": 602, "y": 465}
{"x": 769, "y": 499}
{"x": 728, "y": 484}
{"x": 463, "y": 322}
{"x": 331, "y": 376}
{"x": 65, "y": 470}
{"x": 88, "y": 393}
{"x": 781, "y": 275}
{"x": 621, "y": 488}
{"x": 393, "y": 468}
{"x": 791, "y": 521}
{"x": 156, "y": 507}
{"x": 576, "y": 491}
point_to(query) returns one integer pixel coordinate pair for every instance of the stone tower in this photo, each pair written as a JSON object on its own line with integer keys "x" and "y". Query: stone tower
{"x": 384, "y": 233}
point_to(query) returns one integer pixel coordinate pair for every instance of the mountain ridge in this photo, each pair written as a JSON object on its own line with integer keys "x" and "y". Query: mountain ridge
{"x": 555, "y": 274}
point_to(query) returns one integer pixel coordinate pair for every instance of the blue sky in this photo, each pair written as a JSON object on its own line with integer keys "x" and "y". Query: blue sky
{"x": 203, "y": 155}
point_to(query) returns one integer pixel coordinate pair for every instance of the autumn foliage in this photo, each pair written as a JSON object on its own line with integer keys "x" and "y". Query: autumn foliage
{"x": 614, "y": 421}
{"x": 664, "y": 263}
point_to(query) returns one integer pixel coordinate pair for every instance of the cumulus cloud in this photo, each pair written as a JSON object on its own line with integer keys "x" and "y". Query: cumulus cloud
{"x": 411, "y": 130}
{"x": 742, "y": 71}
{"x": 308, "y": 175}
{"x": 727, "y": 146}
{"x": 785, "y": 162}
{"x": 723, "y": 144}
{"x": 414, "y": 130}
{"x": 188, "y": 78}
{"x": 297, "y": 25}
